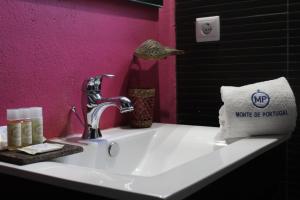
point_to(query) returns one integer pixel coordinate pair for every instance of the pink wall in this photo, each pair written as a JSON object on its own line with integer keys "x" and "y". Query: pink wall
{"x": 167, "y": 67}
{"x": 49, "y": 47}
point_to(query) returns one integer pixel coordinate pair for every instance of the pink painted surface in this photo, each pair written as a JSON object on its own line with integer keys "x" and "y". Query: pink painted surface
{"x": 167, "y": 67}
{"x": 49, "y": 47}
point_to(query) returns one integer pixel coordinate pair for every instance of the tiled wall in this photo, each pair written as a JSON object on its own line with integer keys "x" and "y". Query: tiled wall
{"x": 294, "y": 77}
{"x": 257, "y": 44}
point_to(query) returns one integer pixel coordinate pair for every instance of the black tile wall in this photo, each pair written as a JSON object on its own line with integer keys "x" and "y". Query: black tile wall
{"x": 260, "y": 40}
{"x": 294, "y": 77}
{"x": 253, "y": 48}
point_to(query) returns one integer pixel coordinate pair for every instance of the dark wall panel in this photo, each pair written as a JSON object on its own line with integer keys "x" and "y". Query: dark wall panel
{"x": 253, "y": 48}
{"x": 260, "y": 40}
{"x": 294, "y": 78}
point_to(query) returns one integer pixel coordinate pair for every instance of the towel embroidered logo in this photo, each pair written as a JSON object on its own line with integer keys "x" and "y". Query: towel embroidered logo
{"x": 260, "y": 99}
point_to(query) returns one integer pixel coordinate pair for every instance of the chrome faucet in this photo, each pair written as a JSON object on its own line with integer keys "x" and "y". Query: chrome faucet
{"x": 93, "y": 105}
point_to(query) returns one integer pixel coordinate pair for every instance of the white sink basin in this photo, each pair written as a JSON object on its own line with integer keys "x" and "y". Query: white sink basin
{"x": 146, "y": 152}
{"x": 164, "y": 161}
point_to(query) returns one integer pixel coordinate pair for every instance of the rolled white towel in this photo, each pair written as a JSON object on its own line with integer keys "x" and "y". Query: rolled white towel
{"x": 262, "y": 108}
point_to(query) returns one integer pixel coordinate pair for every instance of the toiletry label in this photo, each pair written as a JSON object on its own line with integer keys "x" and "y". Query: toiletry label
{"x": 37, "y": 131}
{"x": 26, "y": 133}
{"x": 14, "y": 135}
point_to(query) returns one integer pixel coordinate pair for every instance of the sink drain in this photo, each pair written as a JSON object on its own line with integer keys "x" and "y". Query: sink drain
{"x": 113, "y": 149}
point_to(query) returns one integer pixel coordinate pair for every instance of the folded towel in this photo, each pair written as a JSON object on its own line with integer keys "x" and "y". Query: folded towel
{"x": 262, "y": 108}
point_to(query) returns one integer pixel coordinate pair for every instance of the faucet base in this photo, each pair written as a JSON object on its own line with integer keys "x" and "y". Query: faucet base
{"x": 91, "y": 133}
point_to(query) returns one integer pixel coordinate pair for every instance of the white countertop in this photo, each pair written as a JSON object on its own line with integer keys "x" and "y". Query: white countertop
{"x": 174, "y": 183}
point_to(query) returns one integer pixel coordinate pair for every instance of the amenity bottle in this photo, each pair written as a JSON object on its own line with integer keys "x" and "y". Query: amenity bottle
{"x": 14, "y": 130}
{"x": 26, "y": 127}
{"x": 36, "y": 116}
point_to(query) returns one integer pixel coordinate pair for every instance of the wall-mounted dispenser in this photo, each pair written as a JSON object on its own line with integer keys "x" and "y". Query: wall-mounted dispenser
{"x": 208, "y": 29}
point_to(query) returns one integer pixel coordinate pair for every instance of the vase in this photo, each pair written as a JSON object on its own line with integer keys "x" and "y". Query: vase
{"x": 143, "y": 102}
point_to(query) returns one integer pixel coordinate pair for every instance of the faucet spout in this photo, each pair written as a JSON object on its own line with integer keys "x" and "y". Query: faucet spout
{"x": 93, "y": 109}
{"x": 123, "y": 103}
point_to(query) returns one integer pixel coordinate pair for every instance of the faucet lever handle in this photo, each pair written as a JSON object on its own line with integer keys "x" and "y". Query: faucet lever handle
{"x": 101, "y": 76}
{"x": 107, "y": 75}
{"x": 95, "y": 83}
{"x": 93, "y": 87}
{"x": 99, "y": 80}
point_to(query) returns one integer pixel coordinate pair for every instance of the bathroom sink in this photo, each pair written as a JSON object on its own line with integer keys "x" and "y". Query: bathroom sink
{"x": 145, "y": 152}
{"x": 162, "y": 162}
